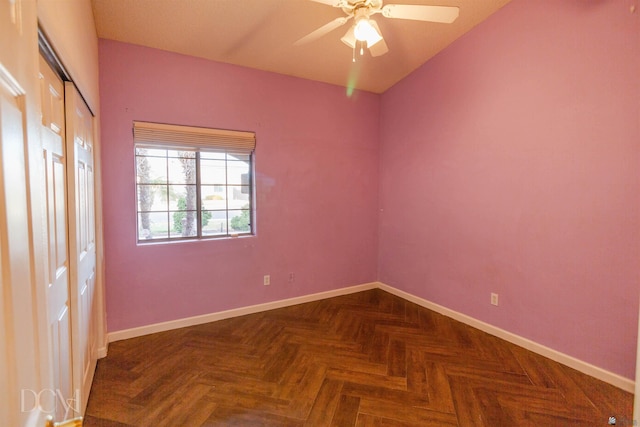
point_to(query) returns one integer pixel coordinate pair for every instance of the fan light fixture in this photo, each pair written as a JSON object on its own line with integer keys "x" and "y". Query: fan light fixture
{"x": 364, "y": 31}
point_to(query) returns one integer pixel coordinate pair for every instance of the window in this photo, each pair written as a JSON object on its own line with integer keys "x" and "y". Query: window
{"x": 192, "y": 183}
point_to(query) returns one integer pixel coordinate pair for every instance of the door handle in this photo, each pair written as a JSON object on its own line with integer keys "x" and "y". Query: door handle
{"x": 76, "y": 422}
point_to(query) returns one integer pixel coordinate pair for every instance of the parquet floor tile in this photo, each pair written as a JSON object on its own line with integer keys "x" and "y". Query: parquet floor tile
{"x": 366, "y": 359}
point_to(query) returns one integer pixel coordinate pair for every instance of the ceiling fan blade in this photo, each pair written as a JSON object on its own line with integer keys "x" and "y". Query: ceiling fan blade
{"x": 379, "y": 48}
{"x": 325, "y": 29}
{"x": 334, "y": 3}
{"x": 443, "y": 14}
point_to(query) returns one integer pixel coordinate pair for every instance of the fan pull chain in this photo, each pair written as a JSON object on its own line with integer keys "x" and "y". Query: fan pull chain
{"x": 354, "y": 53}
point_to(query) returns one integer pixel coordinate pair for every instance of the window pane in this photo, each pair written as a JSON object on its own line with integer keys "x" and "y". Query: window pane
{"x": 182, "y": 197}
{"x": 213, "y": 196}
{"x": 187, "y": 154}
{"x": 238, "y": 196}
{"x": 151, "y": 170}
{"x": 152, "y": 198}
{"x": 167, "y": 193}
{"x": 241, "y": 157}
{"x": 216, "y": 223}
{"x": 183, "y": 224}
{"x": 182, "y": 171}
{"x": 143, "y": 170}
{"x": 237, "y": 173}
{"x": 151, "y": 152}
{"x": 239, "y": 221}
{"x": 153, "y": 225}
{"x": 212, "y": 172}
{"x": 213, "y": 155}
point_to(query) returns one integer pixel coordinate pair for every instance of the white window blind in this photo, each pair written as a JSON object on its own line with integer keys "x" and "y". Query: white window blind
{"x": 177, "y": 136}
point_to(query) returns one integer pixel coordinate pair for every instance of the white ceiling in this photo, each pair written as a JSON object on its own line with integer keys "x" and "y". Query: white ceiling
{"x": 260, "y": 34}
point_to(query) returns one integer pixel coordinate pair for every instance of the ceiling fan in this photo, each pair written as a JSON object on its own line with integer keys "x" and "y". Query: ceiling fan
{"x": 366, "y": 30}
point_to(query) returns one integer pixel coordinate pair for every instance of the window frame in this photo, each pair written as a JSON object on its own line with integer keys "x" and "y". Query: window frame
{"x": 198, "y": 148}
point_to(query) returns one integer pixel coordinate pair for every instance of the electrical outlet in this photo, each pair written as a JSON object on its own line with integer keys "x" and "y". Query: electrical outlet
{"x": 494, "y": 299}
{"x": 292, "y": 277}
{"x": 267, "y": 280}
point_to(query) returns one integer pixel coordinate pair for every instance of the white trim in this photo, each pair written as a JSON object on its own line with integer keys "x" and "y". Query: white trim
{"x": 570, "y": 361}
{"x": 10, "y": 83}
{"x": 212, "y": 317}
{"x": 102, "y": 351}
{"x": 636, "y": 400}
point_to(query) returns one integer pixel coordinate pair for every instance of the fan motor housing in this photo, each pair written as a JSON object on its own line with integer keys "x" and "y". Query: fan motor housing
{"x": 355, "y": 5}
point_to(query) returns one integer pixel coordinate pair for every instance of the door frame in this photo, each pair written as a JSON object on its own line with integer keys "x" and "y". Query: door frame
{"x": 27, "y": 365}
{"x": 26, "y": 353}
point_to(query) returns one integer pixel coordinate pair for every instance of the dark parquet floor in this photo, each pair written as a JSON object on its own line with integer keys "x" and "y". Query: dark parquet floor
{"x": 366, "y": 359}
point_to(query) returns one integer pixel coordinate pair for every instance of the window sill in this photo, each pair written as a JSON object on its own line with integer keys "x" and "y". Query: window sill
{"x": 155, "y": 242}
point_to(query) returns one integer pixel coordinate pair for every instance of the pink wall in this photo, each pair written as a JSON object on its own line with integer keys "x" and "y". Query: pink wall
{"x": 510, "y": 164}
{"x": 317, "y": 179}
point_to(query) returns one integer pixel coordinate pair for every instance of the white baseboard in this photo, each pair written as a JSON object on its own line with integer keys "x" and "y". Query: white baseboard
{"x": 609, "y": 377}
{"x": 102, "y": 351}
{"x": 227, "y": 314}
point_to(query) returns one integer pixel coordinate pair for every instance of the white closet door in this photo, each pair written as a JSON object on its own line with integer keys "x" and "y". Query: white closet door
{"x": 82, "y": 242}
{"x": 57, "y": 269}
